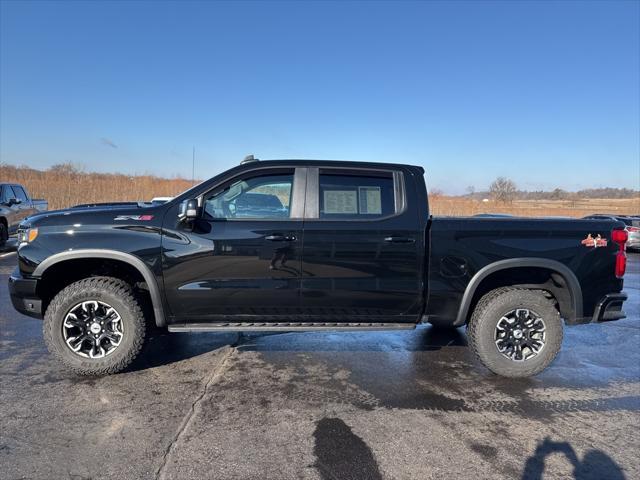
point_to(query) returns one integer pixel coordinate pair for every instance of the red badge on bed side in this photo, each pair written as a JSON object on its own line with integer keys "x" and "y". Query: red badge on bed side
{"x": 594, "y": 242}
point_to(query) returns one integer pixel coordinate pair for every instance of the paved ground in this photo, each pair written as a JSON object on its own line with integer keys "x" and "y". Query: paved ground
{"x": 404, "y": 405}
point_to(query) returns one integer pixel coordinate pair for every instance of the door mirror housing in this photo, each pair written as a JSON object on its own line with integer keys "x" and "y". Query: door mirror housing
{"x": 14, "y": 201}
{"x": 188, "y": 210}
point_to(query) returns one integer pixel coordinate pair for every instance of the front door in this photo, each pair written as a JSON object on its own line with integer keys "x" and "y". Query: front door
{"x": 243, "y": 257}
{"x": 362, "y": 251}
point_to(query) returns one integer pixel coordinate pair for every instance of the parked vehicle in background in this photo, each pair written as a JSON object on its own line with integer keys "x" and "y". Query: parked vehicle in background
{"x": 632, "y": 227}
{"x": 106, "y": 204}
{"x": 292, "y": 245}
{"x": 154, "y": 201}
{"x": 634, "y": 233}
{"x": 15, "y": 206}
{"x": 161, "y": 200}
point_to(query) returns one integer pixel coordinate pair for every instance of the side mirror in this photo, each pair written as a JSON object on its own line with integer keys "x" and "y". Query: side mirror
{"x": 14, "y": 201}
{"x": 188, "y": 210}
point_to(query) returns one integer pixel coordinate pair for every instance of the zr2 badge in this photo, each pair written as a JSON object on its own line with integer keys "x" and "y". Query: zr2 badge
{"x": 141, "y": 218}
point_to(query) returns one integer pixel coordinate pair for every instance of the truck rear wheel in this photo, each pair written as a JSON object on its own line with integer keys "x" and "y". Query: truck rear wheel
{"x": 515, "y": 332}
{"x": 95, "y": 326}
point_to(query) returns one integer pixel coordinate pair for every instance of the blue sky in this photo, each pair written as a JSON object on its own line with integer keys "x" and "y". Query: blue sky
{"x": 546, "y": 93}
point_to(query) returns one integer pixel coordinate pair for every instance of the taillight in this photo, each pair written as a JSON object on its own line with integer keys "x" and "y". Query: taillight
{"x": 621, "y": 264}
{"x": 620, "y": 237}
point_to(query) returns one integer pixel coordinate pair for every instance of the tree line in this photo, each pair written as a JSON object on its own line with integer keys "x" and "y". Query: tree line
{"x": 505, "y": 190}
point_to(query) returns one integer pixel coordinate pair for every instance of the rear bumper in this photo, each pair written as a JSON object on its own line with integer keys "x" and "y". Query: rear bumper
{"x": 609, "y": 308}
{"x": 23, "y": 295}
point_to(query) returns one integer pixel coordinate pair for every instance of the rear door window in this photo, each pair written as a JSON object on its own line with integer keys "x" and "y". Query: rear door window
{"x": 355, "y": 196}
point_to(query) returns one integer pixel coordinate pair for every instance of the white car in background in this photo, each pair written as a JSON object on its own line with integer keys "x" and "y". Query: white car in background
{"x": 632, "y": 227}
{"x": 160, "y": 200}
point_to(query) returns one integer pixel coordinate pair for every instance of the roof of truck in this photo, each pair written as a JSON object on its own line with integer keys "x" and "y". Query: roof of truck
{"x": 338, "y": 163}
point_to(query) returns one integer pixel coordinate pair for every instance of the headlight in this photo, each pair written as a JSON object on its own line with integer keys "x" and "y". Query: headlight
{"x": 27, "y": 235}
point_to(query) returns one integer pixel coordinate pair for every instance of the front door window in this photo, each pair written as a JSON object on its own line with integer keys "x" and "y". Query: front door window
{"x": 266, "y": 197}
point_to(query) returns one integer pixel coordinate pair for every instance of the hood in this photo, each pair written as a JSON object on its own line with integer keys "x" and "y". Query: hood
{"x": 100, "y": 213}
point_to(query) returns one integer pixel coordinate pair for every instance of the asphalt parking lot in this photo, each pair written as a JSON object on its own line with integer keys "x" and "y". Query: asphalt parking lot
{"x": 398, "y": 405}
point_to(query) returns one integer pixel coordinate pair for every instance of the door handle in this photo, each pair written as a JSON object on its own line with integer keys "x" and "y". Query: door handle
{"x": 280, "y": 238}
{"x": 399, "y": 240}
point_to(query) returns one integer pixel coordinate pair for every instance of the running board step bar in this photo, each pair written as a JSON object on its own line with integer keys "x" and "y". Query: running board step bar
{"x": 286, "y": 327}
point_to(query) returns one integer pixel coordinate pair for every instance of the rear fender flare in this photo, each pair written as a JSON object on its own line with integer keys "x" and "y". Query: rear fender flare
{"x": 572, "y": 283}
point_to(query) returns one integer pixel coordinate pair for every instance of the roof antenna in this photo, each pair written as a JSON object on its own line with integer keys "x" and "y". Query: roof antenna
{"x": 248, "y": 159}
{"x": 193, "y": 165}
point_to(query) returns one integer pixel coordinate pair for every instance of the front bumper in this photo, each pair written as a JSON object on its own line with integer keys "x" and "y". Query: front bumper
{"x": 23, "y": 294}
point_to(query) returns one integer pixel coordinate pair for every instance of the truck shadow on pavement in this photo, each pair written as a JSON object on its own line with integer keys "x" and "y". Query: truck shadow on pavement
{"x": 426, "y": 339}
{"x": 595, "y": 464}
{"x": 165, "y": 348}
{"x": 425, "y": 369}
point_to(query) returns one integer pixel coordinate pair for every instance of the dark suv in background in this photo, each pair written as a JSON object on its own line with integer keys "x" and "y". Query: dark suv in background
{"x": 16, "y": 205}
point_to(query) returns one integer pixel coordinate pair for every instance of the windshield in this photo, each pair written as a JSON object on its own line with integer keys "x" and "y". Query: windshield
{"x": 189, "y": 192}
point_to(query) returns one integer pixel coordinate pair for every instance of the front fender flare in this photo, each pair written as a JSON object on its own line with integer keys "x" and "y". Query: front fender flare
{"x": 137, "y": 263}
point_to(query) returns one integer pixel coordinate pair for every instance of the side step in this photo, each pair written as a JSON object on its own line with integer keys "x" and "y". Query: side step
{"x": 287, "y": 327}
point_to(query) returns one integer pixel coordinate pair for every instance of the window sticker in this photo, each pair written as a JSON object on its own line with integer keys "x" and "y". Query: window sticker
{"x": 340, "y": 201}
{"x": 370, "y": 200}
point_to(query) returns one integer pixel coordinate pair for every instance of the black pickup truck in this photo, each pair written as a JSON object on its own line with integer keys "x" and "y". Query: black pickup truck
{"x": 291, "y": 245}
{"x": 15, "y": 206}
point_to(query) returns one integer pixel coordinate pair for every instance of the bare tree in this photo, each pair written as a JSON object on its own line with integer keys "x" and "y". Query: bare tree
{"x": 503, "y": 190}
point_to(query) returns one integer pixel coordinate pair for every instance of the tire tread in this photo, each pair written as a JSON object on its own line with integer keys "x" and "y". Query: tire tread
{"x": 479, "y": 317}
{"x": 109, "y": 285}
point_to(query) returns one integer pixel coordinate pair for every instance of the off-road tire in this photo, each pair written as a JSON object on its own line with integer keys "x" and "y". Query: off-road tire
{"x": 482, "y": 327}
{"x": 4, "y": 234}
{"x": 114, "y": 292}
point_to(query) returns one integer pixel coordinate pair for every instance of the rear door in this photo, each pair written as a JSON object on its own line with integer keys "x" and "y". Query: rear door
{"x": 363, "y": 249}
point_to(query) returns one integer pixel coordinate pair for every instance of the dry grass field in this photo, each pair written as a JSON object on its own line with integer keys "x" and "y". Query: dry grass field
{"x": 64, "y": 186}
{"x": 461, "y": 206}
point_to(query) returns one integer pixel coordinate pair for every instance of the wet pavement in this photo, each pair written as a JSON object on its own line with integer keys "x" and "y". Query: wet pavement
{"x": 397, "y": 405}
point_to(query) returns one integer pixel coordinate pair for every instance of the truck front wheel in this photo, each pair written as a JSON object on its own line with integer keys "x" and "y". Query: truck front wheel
{"x": 95, "y": 326}
{"x": 515, "y": 332}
